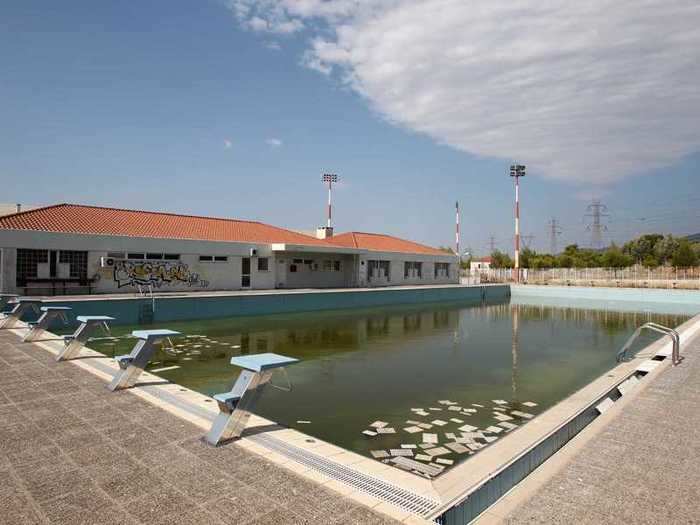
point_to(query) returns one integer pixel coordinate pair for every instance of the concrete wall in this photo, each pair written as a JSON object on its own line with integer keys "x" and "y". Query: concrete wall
{"x": 314, "y": 275}
{"x": 396, "y": 275}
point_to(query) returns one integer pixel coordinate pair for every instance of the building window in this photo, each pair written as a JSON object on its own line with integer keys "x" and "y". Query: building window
{"x": 115, "y": 255}
{"x": 154, "y": 256}
{"x": 412, "y": 270}
{"x": 220, "y": 258}
{"x": 293, "y": 268}
{"x": 327, "y": 266}
{"x": 77, "y": 263}
{"x": 213, "y": 258}
{"x": 263, "y": 264}
{"x": 171, "y": 256}
{"x": 442, "y": 270}
{"x": 135, "y": 256}
{"x": 336, "y": 266}
{"x": 27, "y": 261}
{"x": 379, "y": 270}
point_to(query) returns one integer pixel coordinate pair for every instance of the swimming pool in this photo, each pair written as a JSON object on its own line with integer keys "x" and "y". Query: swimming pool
{"x": 435, "y": 381}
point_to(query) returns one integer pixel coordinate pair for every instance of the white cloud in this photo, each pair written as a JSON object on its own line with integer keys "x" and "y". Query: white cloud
{"x": 588, "y": 91}
{"x": 273, "y": 46}
{"x": 273, "y": 143}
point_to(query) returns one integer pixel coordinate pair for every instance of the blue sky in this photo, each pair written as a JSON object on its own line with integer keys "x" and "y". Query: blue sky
{"x": 132, "y": 105}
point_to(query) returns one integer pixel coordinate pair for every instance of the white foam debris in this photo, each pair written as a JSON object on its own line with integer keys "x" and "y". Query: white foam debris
{"x": 304, "y": 422}
{"x": 446, "y": 402}
{"x": 401, "y": 452}
{"x": 430, "y": 438}
{"x": 439, "y": 422}
{"x": 163, "y": 369}
{"x": 423, "y": 457}
{"x": 412, "y": 430}
{"x": 457, "y": 447}
{"x": 437, "y": 451}
{"x": 490, "y": 439}
{"x": 187, "y": 359}
{"x": 499, "y": 409}
{"x": 500, "y": 401}
{"x": 425, "y": 426}
{"x": 507, "y": 425}
{"x": 524, "y": 415}
{"x": 468, "y": 428}
{"x": 473, "y": 435}
{"x": 369, "y": 433}
{"x": 470, "y": 410}
{"x": 412, "y": 422}
{"x": 477, "y": 405}
{"x": 494, "y": 429}
{"x": 454, "y": 408}
{"x": 435, "y": 409}
{"x": 386, "y": 430}
{"x": 235, "y": 346}
{"x": 444, "y": 461}
{"x": 456, "y": 420}
{"x": 421, "y": 412}
{"x": 378, "y": 424}
{"x": 409, "y": 446}
{"x": 464, "y": 440}
{"x": 502, "y": 417}
{"x": 529, "y": 404}
{"x": 377, "y": 454}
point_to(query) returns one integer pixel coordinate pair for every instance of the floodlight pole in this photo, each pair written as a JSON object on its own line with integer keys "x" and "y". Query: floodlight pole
{"x": 457, "y": 230}
{"x": 517, "y": 171}
{"x": 330, "y": 178}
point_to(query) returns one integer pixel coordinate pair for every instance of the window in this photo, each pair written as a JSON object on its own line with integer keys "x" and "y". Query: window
{"x": 213, "y": 258}
{"x": 77, "y": 263}
{"x": 263, "y": 264}
{"x": 412, "y": 270}
{"x": 154, "y": 256}
{"x": 171, "y": 256}
{"x": 27, "y": 261}
{"x": 378, "y": 270}
{"x": 135, "y": 256}
{"x": 327, "y": 266}
{"x": 442, "y": 270}
{"x": 115, "y": 255}
{"x": 293, "y": 268}
{"x": 298, "y": 261}
{"x": 206, "y": 258}
{"x": 336, "y": 266}
{"x": 220, "y": 258}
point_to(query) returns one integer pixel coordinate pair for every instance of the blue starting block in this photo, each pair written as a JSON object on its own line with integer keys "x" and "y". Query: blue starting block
{"x": 235, "y": 406}
{"x": 48, "y": 315}
{"x": 74, "y": 343}
{"x": 131, "y": 366}
{"x": 21, "y": 307}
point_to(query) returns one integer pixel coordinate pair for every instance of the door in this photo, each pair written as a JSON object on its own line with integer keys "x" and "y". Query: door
{"x": 245, "y": 273}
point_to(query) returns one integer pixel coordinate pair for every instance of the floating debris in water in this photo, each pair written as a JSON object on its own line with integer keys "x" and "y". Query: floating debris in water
{"x": 430, "y": 438}
{"x": 529, "y": 404}
{"x": 412, "y": 422}
{"x": 378, "y": 454}
{"x": 468, "y": 428}
{"x": 304, "y": 422}
{"x": 235, "y": 346}
{"x": 446, "y": 402}
{"x": 502, "y": 417}
{"x": 523, "y": 415}
{"x": 435, "y": 409}
{"x": 494, "y": 430}
{"x": 439, "y": 422}
{"x": 164, "y": 369}
{"x": 412, "y": 430}
{"x": 422, "y": 413}
{"x": 477, "y": 405}
{"x": 378, "y": 424}
{"x": 425, "y": 426}
{"x": 424, "y": 457}
{"x": 456, "y": 420}
{"x": 409, "y": 446}
{"x": 369, "y": 433}
{"x": 507, "y": 425}
{"x": 438, "y": 451}
{"x": 187, "y": 359}
{"x": 450, "y": 435}
{"x": 457, "y": 448}
{"x": 401, "y": 452}
{"x": 500, "y": 402}
{"x": 490, "y": 439}
{"x": 444, "y": 461}
{"x": 386, "y": 430}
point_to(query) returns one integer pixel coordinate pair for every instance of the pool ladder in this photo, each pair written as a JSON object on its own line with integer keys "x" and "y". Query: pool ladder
{"x": 148, "y": 307}
{"x": 675, "y": 355}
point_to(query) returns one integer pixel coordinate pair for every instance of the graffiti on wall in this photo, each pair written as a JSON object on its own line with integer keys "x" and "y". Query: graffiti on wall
{"x": 156, "y": 274}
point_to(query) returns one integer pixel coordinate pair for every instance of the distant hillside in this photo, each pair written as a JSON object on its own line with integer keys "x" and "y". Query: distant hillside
{"x": 694, "y": 238}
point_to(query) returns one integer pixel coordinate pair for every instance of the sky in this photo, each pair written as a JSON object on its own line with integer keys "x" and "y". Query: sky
{"x": 235, "y": 108}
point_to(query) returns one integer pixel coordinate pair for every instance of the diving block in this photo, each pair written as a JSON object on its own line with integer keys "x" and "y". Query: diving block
{"x": 132, "y": 365}
{"x": 22, "y": 306}
{"x": 75, "y": 343}
{"x": 235, "y": 406}
{"x": 5, "y": 298}
{"x": 50, "y": 313}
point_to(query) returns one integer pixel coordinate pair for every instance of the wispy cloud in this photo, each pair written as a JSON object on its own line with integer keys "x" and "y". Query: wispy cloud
{"x": 586, "y": 92}
{"x": 273, "y": 143}
{"x": 273, "y": 46}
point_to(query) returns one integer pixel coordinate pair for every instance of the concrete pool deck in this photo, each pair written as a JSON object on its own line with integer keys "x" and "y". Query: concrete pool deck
{"x": 638, "y": 463}
{"x": 73, "y": 452}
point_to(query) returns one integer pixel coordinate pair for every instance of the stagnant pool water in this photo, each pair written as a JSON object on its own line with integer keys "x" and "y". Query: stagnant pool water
{"x": 446, "y": 369}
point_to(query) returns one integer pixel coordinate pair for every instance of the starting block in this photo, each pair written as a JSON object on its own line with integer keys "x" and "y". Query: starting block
{"x": 22, "y": 306}
{"x": 74, "y": 343}
{"x": 49, "y": 314}
{"x": 235, "y": 406}
{"x": 132, "y": 365}
{"x": 6, "y": 298}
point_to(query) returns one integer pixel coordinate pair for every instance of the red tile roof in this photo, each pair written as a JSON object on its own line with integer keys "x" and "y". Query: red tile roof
{"x": 93, "y": 220}
{"x": 382, "y": 243}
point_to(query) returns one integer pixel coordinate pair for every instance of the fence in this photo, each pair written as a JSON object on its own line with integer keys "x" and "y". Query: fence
{"x": 632, "y": 277}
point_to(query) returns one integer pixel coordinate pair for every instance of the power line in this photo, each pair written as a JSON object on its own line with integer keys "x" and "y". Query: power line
{"x": 492, "y": 243}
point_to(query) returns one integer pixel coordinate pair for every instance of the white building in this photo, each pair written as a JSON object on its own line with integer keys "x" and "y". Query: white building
{"x": 69, "y": 249}
{"x": 483, "y": 263}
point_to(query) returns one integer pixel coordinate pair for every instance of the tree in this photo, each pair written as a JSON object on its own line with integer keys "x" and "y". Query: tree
{"x": 501, "y": 260}
{"x": 684, "y": 256}
{"x": 642, "y": 247}
{"x": 614, "y": 258}
{"x": 665, "y": 249}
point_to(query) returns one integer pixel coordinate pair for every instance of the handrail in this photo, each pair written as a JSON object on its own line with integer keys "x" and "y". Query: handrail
{"x": 675, "y": 355}
{"x": 150, "y": 295}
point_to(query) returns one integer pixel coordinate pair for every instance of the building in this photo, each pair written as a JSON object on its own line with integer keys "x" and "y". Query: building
{"x": 70, "y": 249}
{"x": 483, "y": 263}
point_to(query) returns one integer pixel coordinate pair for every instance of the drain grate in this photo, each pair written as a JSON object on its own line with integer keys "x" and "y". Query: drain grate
{"x": 402, "y": 498}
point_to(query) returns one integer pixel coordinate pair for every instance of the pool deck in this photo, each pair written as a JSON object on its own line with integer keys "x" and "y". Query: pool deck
{"x": 638, "y": 463}
{"x": 72, "y": 452}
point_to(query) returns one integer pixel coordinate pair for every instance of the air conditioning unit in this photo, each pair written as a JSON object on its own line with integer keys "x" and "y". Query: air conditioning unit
{"x": 106, "y": 262}
{"x": 253, "y": 252}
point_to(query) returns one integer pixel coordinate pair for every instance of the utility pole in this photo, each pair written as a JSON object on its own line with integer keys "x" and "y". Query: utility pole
{"x": 517, "y": 171}
{"x": 597, "y": 212}
{"x": 554, "y": 231}
{"x": 457, "y": 231}
{"x": 330, "y": 178}
{"x": 527, "y": 240}
{"x": 492, "y": 244}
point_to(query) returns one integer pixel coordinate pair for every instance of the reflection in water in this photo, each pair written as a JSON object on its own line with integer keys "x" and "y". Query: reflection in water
{"x": 363, "y": 365}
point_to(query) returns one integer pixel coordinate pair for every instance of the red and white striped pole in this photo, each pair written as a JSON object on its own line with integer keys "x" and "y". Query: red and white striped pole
{"x": 517, "y": 171}
{"x": 457, "y": 230}
{"x": 330, "y": 178}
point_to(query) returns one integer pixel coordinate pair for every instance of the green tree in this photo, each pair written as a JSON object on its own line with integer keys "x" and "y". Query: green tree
{"x": 665, "y": 249}
{"x": 501, "y": 260}
{"x": 614, "y": 258}
{"x": 684, "y": 256}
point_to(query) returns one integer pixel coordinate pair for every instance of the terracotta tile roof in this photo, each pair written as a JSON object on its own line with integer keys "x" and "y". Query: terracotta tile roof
{"x": 382, "y": 243}
{"x": 93, "y": 220}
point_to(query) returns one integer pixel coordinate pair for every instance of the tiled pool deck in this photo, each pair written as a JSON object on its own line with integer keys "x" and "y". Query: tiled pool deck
{"x": 639, "y": 463}
{"x": 72, "y": 452}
